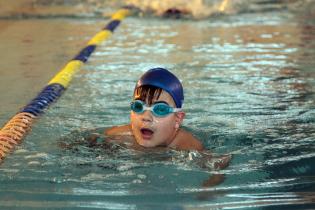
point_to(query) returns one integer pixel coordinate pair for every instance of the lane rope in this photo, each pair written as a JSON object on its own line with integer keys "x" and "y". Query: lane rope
{"x": 13, "y": 132}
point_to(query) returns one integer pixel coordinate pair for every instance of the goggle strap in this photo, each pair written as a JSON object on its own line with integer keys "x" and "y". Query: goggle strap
{"x": 177, "y": 109}
{"x": 151, "y": 108}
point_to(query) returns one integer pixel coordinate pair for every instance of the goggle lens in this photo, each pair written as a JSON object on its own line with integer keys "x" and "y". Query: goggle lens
{"x": 161, "y": 109}
{"x": 137, "y": 107}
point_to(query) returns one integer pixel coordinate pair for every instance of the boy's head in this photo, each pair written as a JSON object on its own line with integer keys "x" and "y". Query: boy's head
{"x": 161, "y": 79}
{"x": 156, "y": 108}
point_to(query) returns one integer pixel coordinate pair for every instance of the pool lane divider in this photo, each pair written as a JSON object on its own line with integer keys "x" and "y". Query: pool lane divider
{"x": 13, "y": 132}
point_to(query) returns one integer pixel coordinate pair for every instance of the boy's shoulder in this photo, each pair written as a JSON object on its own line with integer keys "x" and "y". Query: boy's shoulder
{"x": 186, "y": 141}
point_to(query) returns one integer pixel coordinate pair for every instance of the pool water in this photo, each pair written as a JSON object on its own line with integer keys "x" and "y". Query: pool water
{"x": 249, "y": 92}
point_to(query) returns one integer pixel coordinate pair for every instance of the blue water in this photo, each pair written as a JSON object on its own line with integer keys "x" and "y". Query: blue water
{"x": 249, "y": 91}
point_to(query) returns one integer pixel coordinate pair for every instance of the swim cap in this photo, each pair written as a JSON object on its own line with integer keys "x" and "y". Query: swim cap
{"x": 162, "y": 78}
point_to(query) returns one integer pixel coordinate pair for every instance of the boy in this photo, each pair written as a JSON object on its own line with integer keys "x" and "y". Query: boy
{"x": 156, "y": 114}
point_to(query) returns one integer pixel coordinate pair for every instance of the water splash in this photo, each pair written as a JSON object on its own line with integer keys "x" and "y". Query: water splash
{"x": 177, "y": 8}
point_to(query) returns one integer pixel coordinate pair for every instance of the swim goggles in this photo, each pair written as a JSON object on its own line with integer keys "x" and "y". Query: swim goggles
{"x": 158, "y": 109}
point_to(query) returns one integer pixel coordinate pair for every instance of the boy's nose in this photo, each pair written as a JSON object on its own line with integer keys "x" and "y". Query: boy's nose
{"x": 147, "y": 116}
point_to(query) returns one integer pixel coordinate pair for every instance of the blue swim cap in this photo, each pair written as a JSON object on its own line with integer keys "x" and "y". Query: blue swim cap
{"x": 162, "y": 78}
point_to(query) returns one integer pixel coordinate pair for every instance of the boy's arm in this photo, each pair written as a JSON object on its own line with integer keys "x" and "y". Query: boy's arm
{"x": 121, "y": 130}
{"x": 213, "y": 180}
{"x": 216, "y": 179}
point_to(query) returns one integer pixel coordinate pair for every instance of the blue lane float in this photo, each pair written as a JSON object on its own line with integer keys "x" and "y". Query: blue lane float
{"x": 112, "y": 25}
{"x": 47, "y": 96}
{"x": 85, "y": 53}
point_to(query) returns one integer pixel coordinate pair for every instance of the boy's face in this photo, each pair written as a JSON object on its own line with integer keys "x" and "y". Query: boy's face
{"x": 152, "y": 131}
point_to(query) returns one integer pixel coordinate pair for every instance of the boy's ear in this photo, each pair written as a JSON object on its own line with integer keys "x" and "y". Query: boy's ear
{"x": 179, "y": 118}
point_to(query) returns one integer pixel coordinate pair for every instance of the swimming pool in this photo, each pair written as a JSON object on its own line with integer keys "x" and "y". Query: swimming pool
{"x": 249, "y": 82}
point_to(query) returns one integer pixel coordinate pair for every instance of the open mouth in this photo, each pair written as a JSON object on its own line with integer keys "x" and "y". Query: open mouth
{"x": 146, "y": 133}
